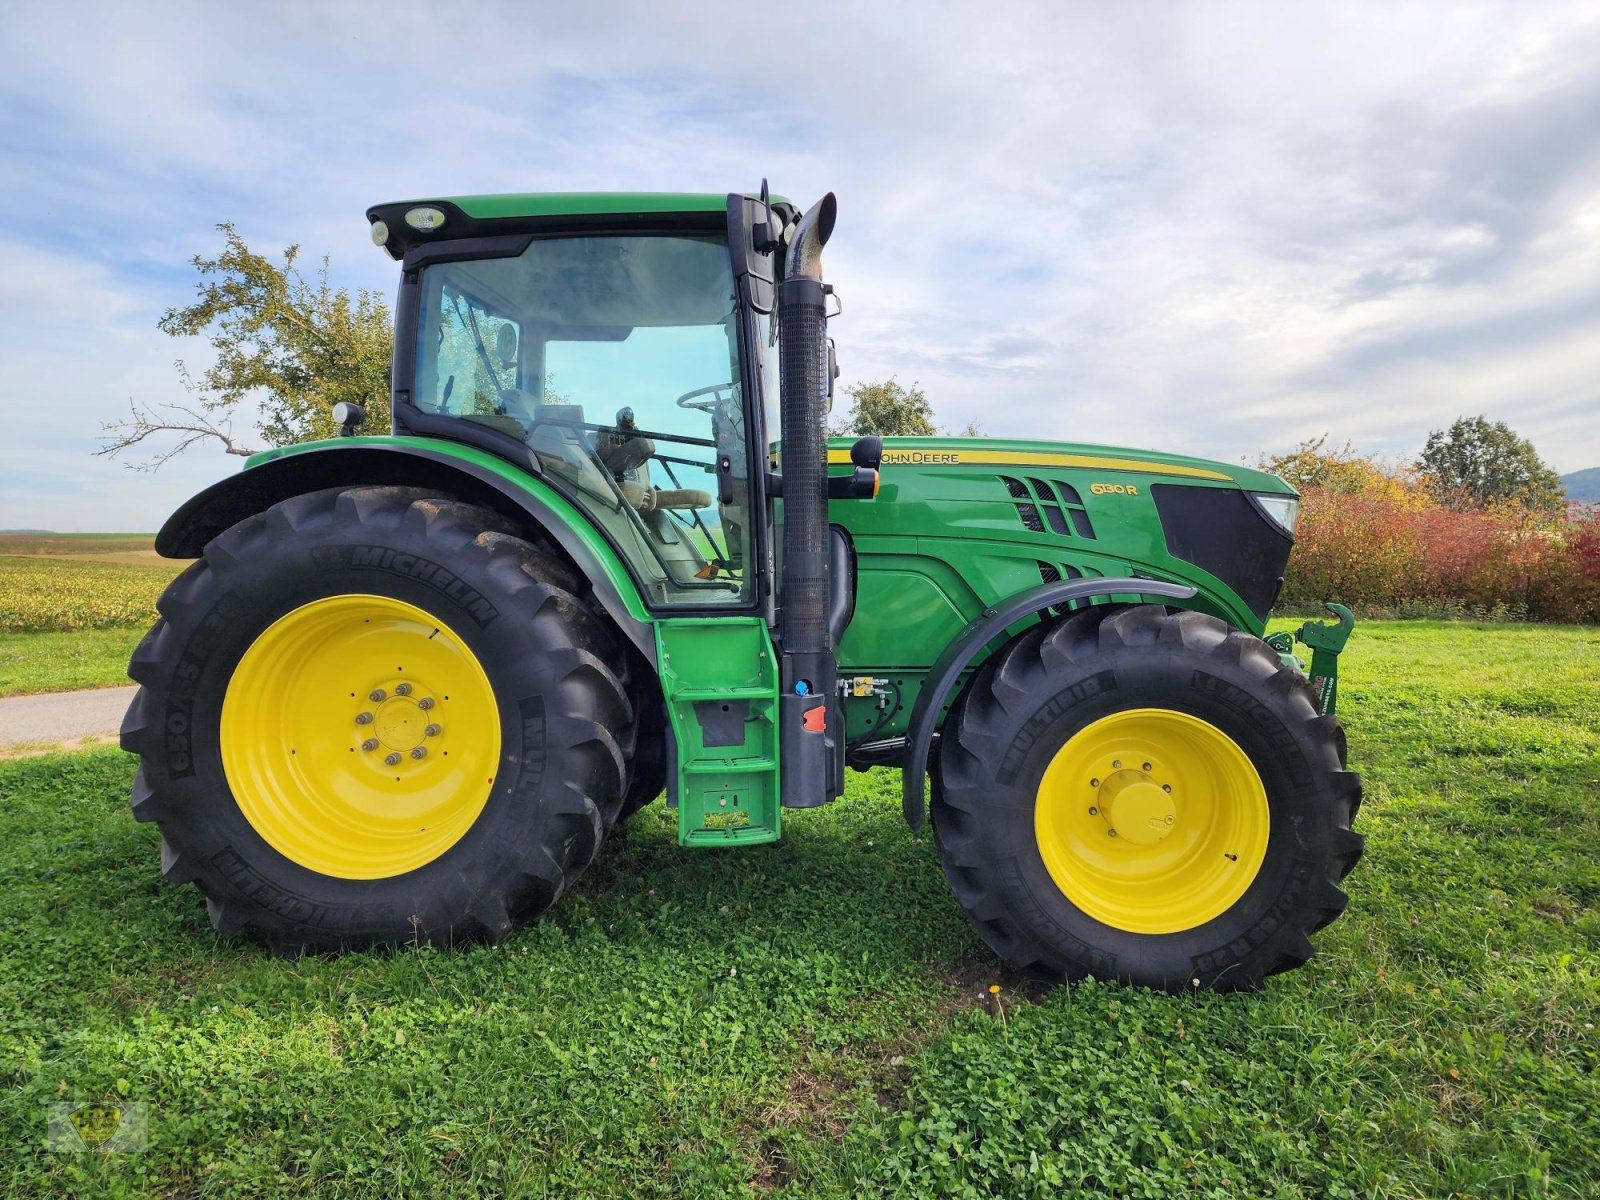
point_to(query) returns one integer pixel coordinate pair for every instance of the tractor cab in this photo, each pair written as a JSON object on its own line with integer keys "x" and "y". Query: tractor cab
{"x": 626, "y": 367}
{"x": 634, "y": 367}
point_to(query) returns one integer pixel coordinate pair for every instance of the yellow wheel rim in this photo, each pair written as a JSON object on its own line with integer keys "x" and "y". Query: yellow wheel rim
{"x": 1152, "y": 821}
{"x": 360, "y": 737}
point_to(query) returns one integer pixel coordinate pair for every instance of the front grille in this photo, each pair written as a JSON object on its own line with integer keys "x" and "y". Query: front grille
{"x": 1041, "y": 501}
{"x": 1220, "y": 531}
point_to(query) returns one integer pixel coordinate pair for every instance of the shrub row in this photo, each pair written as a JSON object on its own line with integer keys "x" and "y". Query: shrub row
{"x": 1396, "y": 551}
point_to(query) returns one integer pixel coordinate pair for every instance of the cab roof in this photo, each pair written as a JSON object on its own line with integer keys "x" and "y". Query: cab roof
{"x": 561, "y": 204}
{"x": 488, "y": 215}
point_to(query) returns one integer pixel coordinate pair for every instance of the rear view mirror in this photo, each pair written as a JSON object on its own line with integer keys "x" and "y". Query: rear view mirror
{"x": 752, "y": 238}
{"x": 505, "y": 345}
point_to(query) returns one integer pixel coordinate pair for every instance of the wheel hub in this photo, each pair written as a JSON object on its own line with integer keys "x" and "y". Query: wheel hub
{"x": 1136, "y": 808}
{"x": 407, "y": 719}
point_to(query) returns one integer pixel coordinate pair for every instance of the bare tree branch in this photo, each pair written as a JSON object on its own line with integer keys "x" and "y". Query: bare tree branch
{"x": 287, "y": 348}
{"x": 145, "y": 422}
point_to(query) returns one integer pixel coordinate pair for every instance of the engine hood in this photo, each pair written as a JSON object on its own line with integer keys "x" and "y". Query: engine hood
{"x": 1004, "y": 452}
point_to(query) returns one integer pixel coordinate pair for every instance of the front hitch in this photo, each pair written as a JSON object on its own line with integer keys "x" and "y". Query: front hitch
{"x": 1325, "y": 642}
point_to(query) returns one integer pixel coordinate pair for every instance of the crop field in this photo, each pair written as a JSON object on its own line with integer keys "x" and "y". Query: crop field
{"x": 73, "y": 606}
{"x": 814, "y": 1018}
{"x": 68, "y": 583}
{"x": 131, "y": 546}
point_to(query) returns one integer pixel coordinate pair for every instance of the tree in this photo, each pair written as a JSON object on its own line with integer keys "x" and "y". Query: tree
{"x": 1476, "y": 464}
{"x": 1311, "y": 466}
{"x": 887, "y": 409}
{"x": 294, "y": 346}
{"x": 891, "y": 410}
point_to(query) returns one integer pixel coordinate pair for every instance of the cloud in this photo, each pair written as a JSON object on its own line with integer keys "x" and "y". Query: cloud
{"x": 75, "y": 346}
{"x": 1215, "y": 227}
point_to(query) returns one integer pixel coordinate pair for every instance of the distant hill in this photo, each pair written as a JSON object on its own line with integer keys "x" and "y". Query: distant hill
{"x": 1583, "y": 486}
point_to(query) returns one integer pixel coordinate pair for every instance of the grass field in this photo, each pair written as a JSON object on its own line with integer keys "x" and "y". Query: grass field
{"x": 73, "y": 606}
{"x": 813, "y": 1018}
{"x": 59, "y": 662}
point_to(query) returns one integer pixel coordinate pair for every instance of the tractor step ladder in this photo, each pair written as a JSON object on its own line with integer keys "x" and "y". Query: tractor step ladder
{"x": 720, "y": 680}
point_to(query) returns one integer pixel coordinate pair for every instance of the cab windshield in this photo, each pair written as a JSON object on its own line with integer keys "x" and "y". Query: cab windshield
{"x": 616, "y": 361}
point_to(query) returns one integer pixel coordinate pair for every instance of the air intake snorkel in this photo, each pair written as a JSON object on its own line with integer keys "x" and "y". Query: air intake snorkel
{"x": 809, "y": 738}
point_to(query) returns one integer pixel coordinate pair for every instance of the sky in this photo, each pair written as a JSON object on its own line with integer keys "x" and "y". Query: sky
{"x": 1214, "y": 228}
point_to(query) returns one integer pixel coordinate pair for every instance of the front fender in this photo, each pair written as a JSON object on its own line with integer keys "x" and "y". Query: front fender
{"x": 979, "y": 632}
{"x": 463, "y": 472}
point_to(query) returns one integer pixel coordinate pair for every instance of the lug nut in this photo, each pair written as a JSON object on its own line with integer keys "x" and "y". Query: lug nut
{"x": 420, "y": 752}
{"x": 377, "y": 694}
{"x": 432, "y": 731}
{"x": 1147, "y": 766}
{"x": 1111, "y": 833}
{"x": 1166, "y": 787}
{"x": 363, "y": 718}
{"x": 392, "y": 759}
{"x": 1115, "y": 766}
{"x": 1094, "y": 783}
{"x": 425, "y": 703}
{"x": 1093, "y": 811}
{"x": 402, "y": 689}
{"x": 370, "y": 745}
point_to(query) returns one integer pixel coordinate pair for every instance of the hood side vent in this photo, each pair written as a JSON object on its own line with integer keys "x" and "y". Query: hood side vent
{"x": 1051, "y": 573}
{"x": 1028, "y": 512}
{"x": 1076, "y": 510}
{"x": 1044, "y": 505}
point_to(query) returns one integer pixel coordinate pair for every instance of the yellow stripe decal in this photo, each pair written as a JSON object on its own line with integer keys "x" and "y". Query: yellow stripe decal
{"x": 1023, "y": 458}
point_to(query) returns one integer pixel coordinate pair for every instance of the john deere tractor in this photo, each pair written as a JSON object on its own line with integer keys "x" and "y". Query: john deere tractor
{"x": 414, "y": 678}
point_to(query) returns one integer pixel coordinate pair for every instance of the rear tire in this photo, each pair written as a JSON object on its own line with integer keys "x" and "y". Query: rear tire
{"x": 1195, "y": 744}
{"x": 291, "y": 827}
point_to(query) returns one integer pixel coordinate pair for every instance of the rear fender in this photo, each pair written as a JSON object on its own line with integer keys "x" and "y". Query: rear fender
{"x": 477, "y": 479}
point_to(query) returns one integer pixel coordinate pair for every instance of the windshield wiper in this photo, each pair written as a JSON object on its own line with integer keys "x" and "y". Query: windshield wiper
{"x": 471, "y": 322}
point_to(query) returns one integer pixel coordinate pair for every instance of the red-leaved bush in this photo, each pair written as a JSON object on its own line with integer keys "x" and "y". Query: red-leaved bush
{"x": 1372, "y": 537}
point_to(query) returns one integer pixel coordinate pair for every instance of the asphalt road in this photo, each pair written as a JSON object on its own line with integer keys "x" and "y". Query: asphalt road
{"x": 63, "y": 716}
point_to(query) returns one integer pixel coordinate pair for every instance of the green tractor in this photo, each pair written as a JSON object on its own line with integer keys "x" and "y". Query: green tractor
{"x": 415, "y": 678}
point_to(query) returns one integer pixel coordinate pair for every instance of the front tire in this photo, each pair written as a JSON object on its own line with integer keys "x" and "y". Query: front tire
{"x": 647, "y": 776}
{"x": 1145, "y": 796}
{"x": 373, "y": 716}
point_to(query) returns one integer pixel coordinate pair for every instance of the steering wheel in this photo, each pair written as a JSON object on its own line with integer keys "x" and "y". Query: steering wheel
{"x": 687, "y": 400}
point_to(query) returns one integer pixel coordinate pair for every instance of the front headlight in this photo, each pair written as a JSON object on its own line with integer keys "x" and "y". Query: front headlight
{"x": 1284, "y": 510}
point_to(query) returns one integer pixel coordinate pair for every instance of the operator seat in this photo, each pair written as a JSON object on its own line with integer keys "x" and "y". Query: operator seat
{"x": 626, "y": 454}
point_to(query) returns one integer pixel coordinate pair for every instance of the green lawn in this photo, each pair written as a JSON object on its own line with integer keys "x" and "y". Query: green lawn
{"x": 61, "y": 662}
{"x": 812, "y": 1018}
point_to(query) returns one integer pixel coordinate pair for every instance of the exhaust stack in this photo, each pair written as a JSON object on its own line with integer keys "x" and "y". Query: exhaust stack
{"x": 807, "y": 709}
